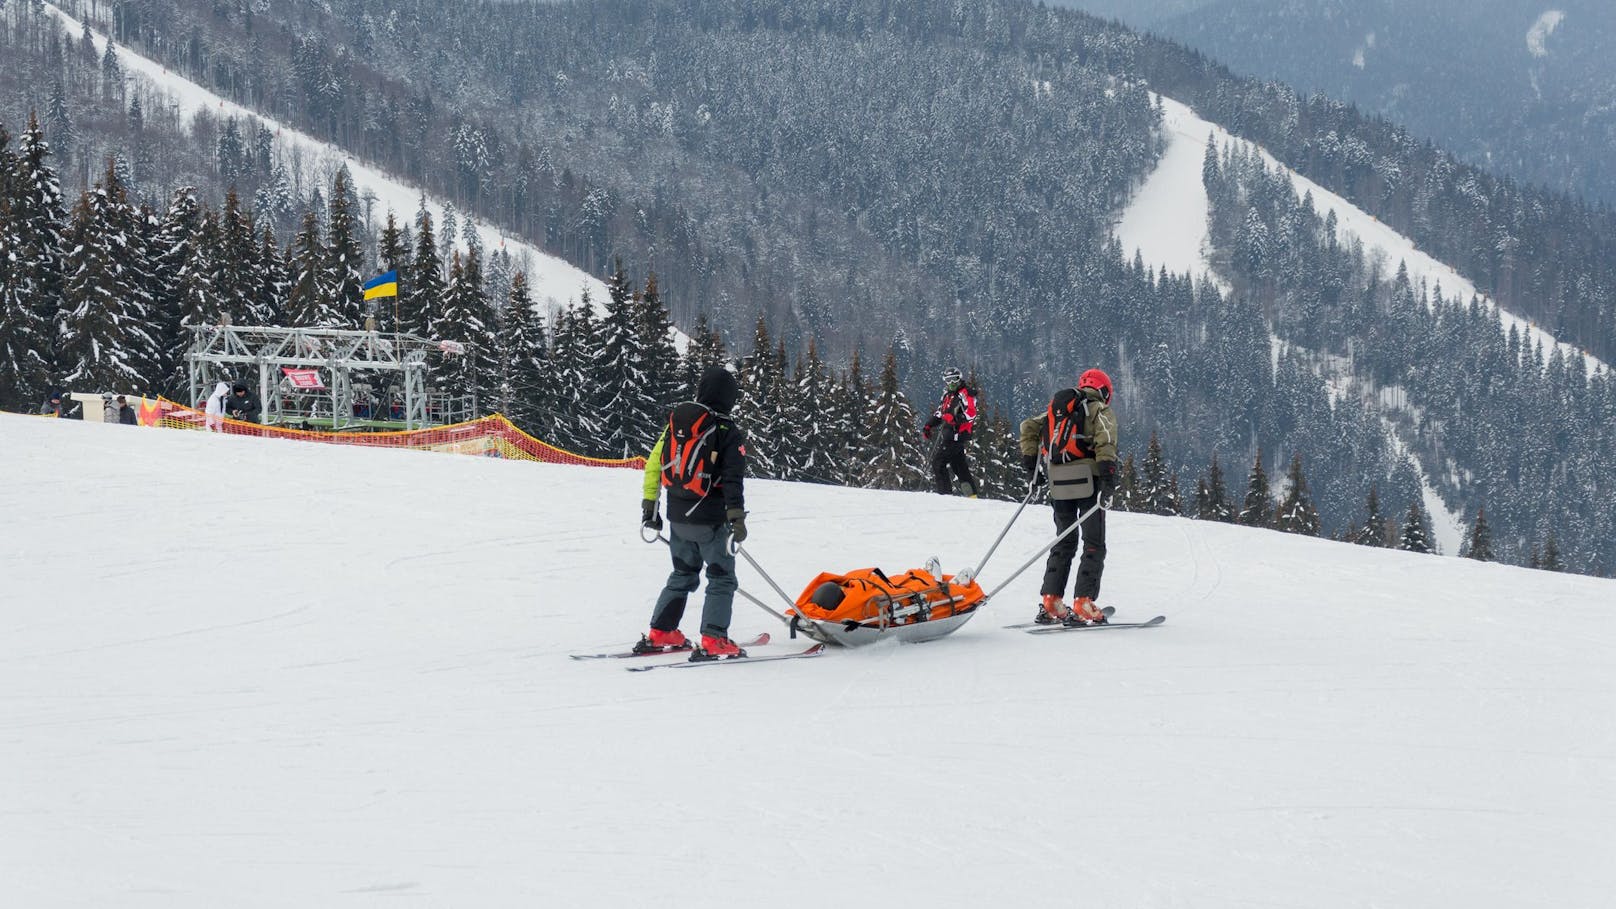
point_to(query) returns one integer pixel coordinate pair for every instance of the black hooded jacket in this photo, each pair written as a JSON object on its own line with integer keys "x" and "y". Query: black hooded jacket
{"x": 718, "y": 392}
{"x": 242, "y": 406}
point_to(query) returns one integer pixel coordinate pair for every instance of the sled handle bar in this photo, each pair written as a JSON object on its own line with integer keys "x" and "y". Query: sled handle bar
{"x": 1099, "y": 503}
{"x": 969, "y": 575}
{"x": 735, "y": 549}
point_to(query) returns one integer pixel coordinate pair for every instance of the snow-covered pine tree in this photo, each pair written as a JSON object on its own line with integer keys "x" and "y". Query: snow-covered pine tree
{"x": 144, "y": 227}
{"x": 103, "y": 329}
{"x": 1296, "y": 512}
{"x": 1372, "y": 532}
{"x": 998, "y": 463}
{"x": 576, "y": 353}
{"x": 526, "y": 387}
{"x": 1258, "y": 508}
{"x": 198, "y": 304}
{"x": 393, "y": 249}
{"x": 307, "y": 305}
{"x": 38, "y": 223}
{"x": 497, "y": 273}
{"x": 274, "y": 280}
{"x": 341, "y": 280}
{"x": 1127, "y": 496}
{"x": 420, "y": 310}
{"x": 174, "y": 251}
{"x": 898, "y": 462}
{"x": 482, "y": 328}
{"x": 1216, "y": 502}
{"x": 1156, "y": 494}
{"x": 463, "y": 320}
{"x": 626, "y": 415}
{"x": 22, "y": 331}
{"x": 705, "y": 349}
{"x": 661, "y": 356}
{"x": 850, "y": 442}
{"x": 1479, "y": 543}
{"x": 759, "y": 406}
{"x": 448, "y": 231}
{"x": 813, "y": 455}
{"x": 1414, "y": 537}
{"x": 235, "y": 284}
{"x": 1551, "y": 555}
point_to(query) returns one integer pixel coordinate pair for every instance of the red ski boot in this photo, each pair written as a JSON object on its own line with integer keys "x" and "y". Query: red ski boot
{"x": 716, "y": 648}
{"x": 1085, "y": 612}
{"x": 658, "y": 641}
{"x": 1052, "y": 611}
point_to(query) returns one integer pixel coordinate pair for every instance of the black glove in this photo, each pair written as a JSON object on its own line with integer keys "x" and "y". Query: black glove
{"x": 737, "y": 524}
{"x": 1031, "y": 464}
{"x": 648, "y": 515}
{"x": 925, "y": 433}
{"x": 1105, "y": 476}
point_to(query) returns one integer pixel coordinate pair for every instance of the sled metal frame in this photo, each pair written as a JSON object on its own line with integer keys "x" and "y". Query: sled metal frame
{"x": 228, "y": 353}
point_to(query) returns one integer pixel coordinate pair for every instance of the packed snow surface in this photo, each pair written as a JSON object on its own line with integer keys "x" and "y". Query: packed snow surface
{"x": 240, "y": 672}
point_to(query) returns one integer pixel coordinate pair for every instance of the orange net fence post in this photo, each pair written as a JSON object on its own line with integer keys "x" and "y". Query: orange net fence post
{"x": 489, "y": 437}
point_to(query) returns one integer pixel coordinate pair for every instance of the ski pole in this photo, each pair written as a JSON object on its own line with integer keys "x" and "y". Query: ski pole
{"x": 970, "y": 574}
{"x": 1098, "y": 504}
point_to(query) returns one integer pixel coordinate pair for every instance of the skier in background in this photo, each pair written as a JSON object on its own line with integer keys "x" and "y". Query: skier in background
{"x": 956, "y": 415}
{"x": 701, "y": 459}
{"x": 126, "y": 414}
{"x": 1073, "y": 445}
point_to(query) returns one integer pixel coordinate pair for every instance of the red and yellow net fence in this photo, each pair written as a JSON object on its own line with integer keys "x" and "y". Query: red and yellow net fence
{"x": 486, "y": 437}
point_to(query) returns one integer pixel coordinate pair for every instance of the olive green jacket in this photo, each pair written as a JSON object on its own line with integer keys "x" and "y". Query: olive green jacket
{"x": 1101, "y": 424}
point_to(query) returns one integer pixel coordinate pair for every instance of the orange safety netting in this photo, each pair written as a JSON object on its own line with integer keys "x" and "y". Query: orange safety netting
{"x": 488, "y": 437}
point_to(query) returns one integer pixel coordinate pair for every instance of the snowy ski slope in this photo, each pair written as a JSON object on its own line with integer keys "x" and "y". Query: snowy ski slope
{"x": 237, "y": 672}
{"x": 1166, "y": 220}
{"x": 552, "y": 281}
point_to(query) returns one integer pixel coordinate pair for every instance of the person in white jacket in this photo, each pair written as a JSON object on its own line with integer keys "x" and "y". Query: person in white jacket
{"x": 215, "y": 412}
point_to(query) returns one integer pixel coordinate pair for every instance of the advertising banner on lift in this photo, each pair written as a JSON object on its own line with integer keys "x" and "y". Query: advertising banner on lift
{"x": 303, "y": 378}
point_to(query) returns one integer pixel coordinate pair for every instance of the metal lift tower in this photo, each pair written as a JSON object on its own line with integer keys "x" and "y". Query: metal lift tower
{"x": 318, "y": 378}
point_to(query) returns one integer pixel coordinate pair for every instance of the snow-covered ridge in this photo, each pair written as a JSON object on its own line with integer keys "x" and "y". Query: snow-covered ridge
{"x": 1538, "y": 35}
{"x": 553, "y": 282}
{"x": 1166, "y": 221}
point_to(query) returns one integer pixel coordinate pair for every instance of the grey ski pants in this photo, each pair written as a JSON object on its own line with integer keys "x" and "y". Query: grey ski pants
{"x": 691, "y": 546}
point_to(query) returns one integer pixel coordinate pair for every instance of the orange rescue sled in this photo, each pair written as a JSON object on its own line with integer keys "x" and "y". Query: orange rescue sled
{"x": 868, "y": 605}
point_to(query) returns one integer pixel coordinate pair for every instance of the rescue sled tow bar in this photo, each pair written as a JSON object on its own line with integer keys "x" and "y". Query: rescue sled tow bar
{"x": 790, "y": 622}
{"x": 1099, "y": 503}
{"x": 969, "y": 574}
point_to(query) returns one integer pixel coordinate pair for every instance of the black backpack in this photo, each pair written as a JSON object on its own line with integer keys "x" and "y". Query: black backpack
{"x": 690, "y": 460}
{"x": 1067, "y": 436}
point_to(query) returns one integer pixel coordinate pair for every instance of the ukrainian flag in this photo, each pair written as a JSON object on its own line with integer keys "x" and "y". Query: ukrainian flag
{"x": 383, "y": 285}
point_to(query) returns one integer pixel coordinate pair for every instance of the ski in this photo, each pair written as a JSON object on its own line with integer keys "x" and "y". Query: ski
{"x": 1052, "y": 629}
{"x": 758, "y": 641}
{"x": 1109, "y": 611}
{"x": 813, "y": 651}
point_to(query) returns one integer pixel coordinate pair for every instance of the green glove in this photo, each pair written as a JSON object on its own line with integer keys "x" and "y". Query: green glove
{"x": 737, "y": 524}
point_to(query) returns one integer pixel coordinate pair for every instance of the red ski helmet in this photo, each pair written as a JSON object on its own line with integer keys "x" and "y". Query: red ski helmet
{"x": 1098, "y": 380}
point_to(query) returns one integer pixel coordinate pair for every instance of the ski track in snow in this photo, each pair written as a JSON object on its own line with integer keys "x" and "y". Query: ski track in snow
{"x": 343, "y": 677}
{"x": 554, "y": 282}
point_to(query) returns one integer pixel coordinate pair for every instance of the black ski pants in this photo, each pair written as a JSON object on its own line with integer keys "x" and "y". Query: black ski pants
{"x": 691, "y": 546}
{"x": 950, "y": 457}
{"x": 1059, "y": 566}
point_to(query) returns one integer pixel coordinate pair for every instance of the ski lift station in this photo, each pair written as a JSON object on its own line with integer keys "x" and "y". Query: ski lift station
{"x": 330, "y": 379}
